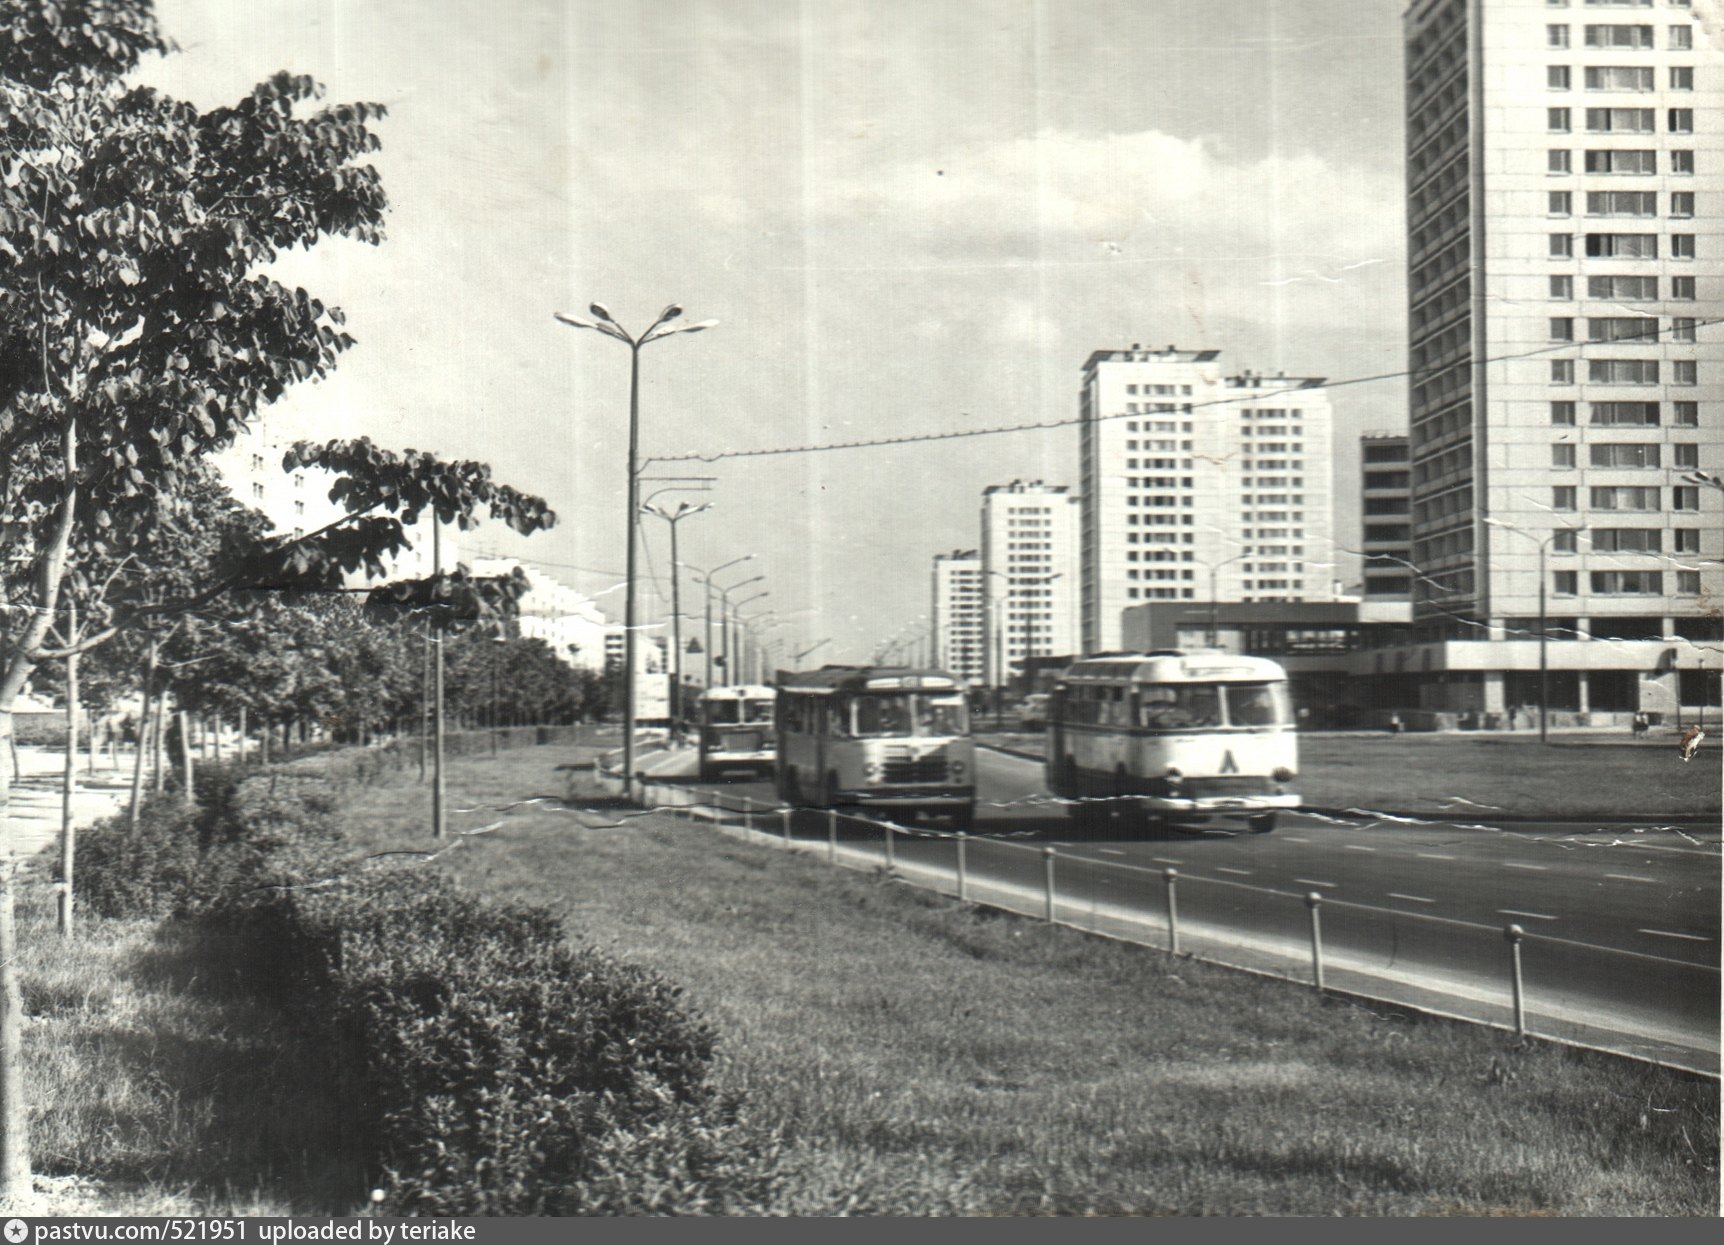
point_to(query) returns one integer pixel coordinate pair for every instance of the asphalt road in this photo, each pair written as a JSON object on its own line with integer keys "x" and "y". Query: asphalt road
{"x": 1621, "y": 922}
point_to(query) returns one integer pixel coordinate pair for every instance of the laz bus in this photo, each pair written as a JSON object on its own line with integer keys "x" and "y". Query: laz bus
{"x": 1177, "y": 736}
{"x": 736, "y": 730}
{"x": 884, "y": 737}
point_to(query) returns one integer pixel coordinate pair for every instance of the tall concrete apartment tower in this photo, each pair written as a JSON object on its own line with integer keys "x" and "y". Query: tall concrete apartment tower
{"x": 956, "y": 616}
{"x": 1198, "y": 486}
{"x": 1566, "y": 274}
{"x": 1385, "y": 505}
{"x": 1029, "y": 575}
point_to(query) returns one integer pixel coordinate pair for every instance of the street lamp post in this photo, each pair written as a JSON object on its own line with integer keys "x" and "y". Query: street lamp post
{"x": 705, "y": 580}
{"x": 1214, "y": 570}
{"x": 661, "y": 327}
{"x": 1543, "y": 622}
{"x": 1710, "y": 481}
{"x": 733, "y": 638}
{"x": 673, "y": 517}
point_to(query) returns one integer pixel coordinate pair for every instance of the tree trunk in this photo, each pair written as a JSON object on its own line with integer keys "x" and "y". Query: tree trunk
{"x": 263, "y": 742}
{"x": 186, "y": 754}
{"x": 68, "y": 836}
{"x": 14, "y": 1112}
{"x": 214, "y": 730}
{"x": 159, "y": 748}
{"x": 143, "y": 751}
{"x": 239, "y": 742}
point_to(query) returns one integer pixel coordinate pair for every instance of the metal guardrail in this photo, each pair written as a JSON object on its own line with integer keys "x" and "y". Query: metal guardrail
{"x": 776, "y": 822}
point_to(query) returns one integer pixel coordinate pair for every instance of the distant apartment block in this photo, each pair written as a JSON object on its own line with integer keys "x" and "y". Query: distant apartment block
{"x": 1029, "y": 576}
{"x": 1199, "y": 486}
{"x": 956, "y": 616}
{"x": 1385, "y": 515}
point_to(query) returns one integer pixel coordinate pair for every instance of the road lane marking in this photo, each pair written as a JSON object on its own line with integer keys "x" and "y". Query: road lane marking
{"x": 1293, "y": 838}
{"x": 1515, "y": 864}
{"x": 1412, "y": 898}
{"x": 1110, "y": 851}
{"x": 1314, "y": 882}
{"x": 1244, "y": 873}
{"x": 1630, "y": 877}
{"x": 1163, "y": 860}
{"x": 1356, "y": 847}
{"x": 1434, "y": 856}
{"x": 1665, "y": 933}
{"x": 1531, "y": 916}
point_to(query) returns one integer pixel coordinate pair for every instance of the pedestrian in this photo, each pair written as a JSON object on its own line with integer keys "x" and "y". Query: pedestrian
{"x": 1394, "y": 724}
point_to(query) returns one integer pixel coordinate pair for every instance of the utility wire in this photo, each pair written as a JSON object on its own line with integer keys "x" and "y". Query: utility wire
{"x": 1038, "y": 425}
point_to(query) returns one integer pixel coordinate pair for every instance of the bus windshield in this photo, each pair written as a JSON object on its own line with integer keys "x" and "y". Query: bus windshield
{"x": 879, "y": 714}
{"x": 1200, "y": 706}
{"x": 737, "y": 712}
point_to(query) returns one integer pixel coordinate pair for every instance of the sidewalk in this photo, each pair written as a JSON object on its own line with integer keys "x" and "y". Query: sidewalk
{"x": 34, "y": 815}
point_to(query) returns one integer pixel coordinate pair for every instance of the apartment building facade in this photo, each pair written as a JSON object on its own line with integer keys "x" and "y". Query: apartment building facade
{"x": 1199, "y": 486}
{"x": 1385, "y": 515}
{"x": 1029, "y": 576}
{"x": 1566, "y": 273}
{"x": 956, "y": 614}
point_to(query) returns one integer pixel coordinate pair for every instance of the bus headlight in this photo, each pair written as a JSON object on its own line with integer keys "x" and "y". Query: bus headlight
{"x": 1174, "y": 777}
{"x": 870, "y": 771}
{"x": 1282, "y": 774}
{"x": 957, "y": 769}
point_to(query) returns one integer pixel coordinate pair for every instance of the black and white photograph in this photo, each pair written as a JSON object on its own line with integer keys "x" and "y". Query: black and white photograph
{"x": 932, "y": 609}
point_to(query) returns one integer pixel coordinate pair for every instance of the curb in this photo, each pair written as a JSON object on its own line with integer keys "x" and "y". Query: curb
{"x": 1357, "y": 814}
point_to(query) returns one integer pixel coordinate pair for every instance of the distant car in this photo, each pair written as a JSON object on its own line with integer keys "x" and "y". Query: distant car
{"x": 1033, "y": 712}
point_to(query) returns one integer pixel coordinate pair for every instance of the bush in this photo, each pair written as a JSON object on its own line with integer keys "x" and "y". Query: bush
{"x": 493, "y": 1069}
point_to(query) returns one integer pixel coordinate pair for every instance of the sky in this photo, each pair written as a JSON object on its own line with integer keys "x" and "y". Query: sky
{"x": 908, "y": 216}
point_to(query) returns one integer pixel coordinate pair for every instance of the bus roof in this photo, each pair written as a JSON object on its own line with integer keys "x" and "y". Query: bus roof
{"x": 832, "y": 679}
{"x": 740, "y": 691}
{"x": 1172, "y": 666}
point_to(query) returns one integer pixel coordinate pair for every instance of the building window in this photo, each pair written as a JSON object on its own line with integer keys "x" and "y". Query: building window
{"x": 1681, "y": 204}
{"x": 1681, "y": 39}
{"x": 1623, "y": 289}
{"x": 1686, "y": 414}
{"x": 1684, "y": 372}
{"x": 1625, "y": 497}
{"x": 1630, "y": 163}
{"x": 1621, "y": 328}
{"x": 1624, "y": 414}
{"x": 1557, "y": 160}
{"x": 1681, "y": 77}
{"x": 1619, "y": 78}
{"x": 1685, "y": 454}
{"x": 1628, "y": 583}
{"x": 1622, "y": 245}
{"x": 1556, "y": 77}
{"x": 1561, "y": 203}
{"x": 1563, "y": 541}
{"x": 1682, "y": 329}
{"x": 1638, "y": 38}
{"x": 1561, "y": 328}
{"x": 1557, "y": 120}
{"x": 1681, "y": 246}
{"x": 1682, "y": 289}
{"x": 1688, "y": 583}
{"x": 1556, "y": 36}
{"x": 1687, "y": 540}
{"x": 1682, "y": 163}
{"x": 1564, "y": 583}
{"x": 257, "y": 490}
{"x": 1629, "y": 455}
{"x": 1562, "y": 414}
{"x": 1561, "y": 286}
{"x": 1620, "y": 120}
{"x": 1562, "y": 497}
{"x": 1685, "y": 497}
{"x": 1681, "y": 120}
{"x": 1561, "y": 456}
{"x": 1562, "y": 371}
{"x": 1621, "y": 203}
{"x": 1561, "y": 246}
{"x": 1622, "y": 371}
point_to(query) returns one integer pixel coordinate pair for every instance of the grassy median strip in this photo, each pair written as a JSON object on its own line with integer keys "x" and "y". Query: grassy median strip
{"x": 922, "y": 1057}
{"x": 1477, "y": 775}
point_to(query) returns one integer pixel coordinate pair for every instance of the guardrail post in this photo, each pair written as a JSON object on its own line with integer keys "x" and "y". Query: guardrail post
{"x": 963, "y": 870}
{"x": 1048, "y": 876}
{"x": 891, "y": 853}
{"x": 784, "y": 817}
{"x": 748, "y": 814}
{"x": 1314, "y": 901}
{"x": 831, "y": 836}
{"x": 1172, "y": 876}
{"x": 1515, "y": 934}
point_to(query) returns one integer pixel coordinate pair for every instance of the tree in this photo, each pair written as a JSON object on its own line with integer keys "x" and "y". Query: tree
{"x": 140, "y": 332}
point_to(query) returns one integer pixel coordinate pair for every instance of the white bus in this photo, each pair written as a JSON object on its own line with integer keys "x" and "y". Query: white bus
{"x": 1179, "y": 736}
{"x": 883, "y": 737}
{"x": 736, "y": 730}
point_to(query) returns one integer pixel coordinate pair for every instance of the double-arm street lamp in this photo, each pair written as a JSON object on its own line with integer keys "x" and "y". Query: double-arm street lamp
{"x": 1543, "y": 626}
{"x": 602, "y": 322}
{"x": 673, "y": 517}
{"x": 1214, "y": 570}
{"x": 733, "y": 620}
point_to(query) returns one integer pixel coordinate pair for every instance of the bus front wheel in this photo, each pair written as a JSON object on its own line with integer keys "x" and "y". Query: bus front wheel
{"x": 1261, "y": 823}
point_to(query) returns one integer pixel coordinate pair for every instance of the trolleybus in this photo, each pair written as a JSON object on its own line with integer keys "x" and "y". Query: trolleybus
{"x": 736, "y": 730}
{"x": 884, "y": 737}
{"x": 1178, "y": 736}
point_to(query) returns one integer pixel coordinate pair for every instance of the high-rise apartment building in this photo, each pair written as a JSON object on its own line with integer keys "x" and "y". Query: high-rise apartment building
{"x": 956, "y": 616}
{"x": 1029, "y": 575}
{"x": 1198, "y": 486}
{"x": 1566, "y": 274}
{"x": 1385, "y": 505}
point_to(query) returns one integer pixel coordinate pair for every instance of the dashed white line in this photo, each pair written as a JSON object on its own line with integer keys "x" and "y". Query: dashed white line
{"x": 1110, "y": 851}
{"x": 1433, "y": 856}
{"x": 1293, "y": 838}
{"x": 1244, "y": 873}
{"x": 1515, "y": 864}
{"x": 1357, "y": 847}
{"x": 1531, "y": 916}
{"x": 1411, "y": 898}
{"x": 1163, "y": 860}
{"x": 1665, "y": 933}
{"x": 1314, "y": 882}
{"x": 1630, "y": 877}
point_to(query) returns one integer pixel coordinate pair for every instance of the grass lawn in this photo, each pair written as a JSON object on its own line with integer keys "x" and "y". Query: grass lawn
{"x": 922, "y": 1057}
{"x": 1449, "y": 774}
